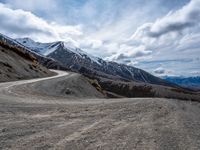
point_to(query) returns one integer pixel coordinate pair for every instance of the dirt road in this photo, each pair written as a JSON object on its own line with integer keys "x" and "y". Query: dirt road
{"x": 33, "y": 121}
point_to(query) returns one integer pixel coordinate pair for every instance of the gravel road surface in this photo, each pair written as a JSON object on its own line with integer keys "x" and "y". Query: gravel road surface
{"x": 38, "y": 121}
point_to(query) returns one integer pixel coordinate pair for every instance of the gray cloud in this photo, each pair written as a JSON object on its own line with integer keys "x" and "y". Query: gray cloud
{"x": 19, "y": 23}
{"x": 173, "y": 27}
{"x": 129, "y": 52}
{"x": 159, "y": 71}
{"x": 20, "y": 27}
{"x": 174, "y": 36}
{"x": 105, "y": 28}
{"x": 146, "y": 35}
{"x": 179, "y": 20}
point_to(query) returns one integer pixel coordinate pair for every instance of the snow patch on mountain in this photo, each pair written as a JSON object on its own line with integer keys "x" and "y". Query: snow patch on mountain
{"x": 48, "y": 48}
{"x": 41, "y": 48}
{"x": 80, "y": 52}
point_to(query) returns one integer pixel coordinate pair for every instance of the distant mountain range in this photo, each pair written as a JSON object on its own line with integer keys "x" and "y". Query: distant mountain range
{"x": 187, "y": 82}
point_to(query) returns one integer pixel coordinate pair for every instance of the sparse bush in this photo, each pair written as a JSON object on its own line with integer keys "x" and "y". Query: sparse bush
{"x": 96, "y": 85}
{"x": 127, "y": 89}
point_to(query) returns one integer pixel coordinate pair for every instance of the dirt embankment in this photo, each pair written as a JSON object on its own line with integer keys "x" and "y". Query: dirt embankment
{"x": 119, "y": 89}
{"x": 72, "y": 86}
{"x": 16, "y": 64}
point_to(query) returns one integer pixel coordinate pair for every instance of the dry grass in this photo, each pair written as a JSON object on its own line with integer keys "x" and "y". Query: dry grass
{"x": 20, "y": 51}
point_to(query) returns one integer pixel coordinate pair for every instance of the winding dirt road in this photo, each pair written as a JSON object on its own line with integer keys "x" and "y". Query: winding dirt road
{"x": 32, "y": 121}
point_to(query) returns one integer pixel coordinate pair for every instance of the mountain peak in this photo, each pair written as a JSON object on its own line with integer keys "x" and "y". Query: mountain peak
{"x": 41, "y": 48}
{"x": 48, "y": 48}
{"x": 25, "y": 39}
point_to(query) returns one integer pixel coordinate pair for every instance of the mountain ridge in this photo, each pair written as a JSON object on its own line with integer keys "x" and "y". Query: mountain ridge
{"x": 79, "y": 61}
{"x": 186, "y": 82}
{"x": 43, "y": 60}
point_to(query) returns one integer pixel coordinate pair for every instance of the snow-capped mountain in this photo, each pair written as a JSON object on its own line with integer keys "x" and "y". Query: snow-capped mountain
{"x": 48, "y": 48}
{"x": 77, "y": 60}
{"x": 187, "y": 82}
{"x": 45, "y": 61}
{"x": 41, "y": 48}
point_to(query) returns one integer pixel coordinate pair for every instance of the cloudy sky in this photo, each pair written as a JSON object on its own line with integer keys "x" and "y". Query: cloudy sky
{"x": 160, "y": 36}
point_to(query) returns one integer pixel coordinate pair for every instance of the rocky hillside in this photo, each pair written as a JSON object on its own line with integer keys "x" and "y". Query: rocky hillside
{"x": 45, "y": 61}
{"x": 117, "y": 89}
{"x": 15, "y": 64}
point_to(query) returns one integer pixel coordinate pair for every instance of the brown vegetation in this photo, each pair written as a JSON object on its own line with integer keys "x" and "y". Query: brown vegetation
{"x": 19, "y": 50}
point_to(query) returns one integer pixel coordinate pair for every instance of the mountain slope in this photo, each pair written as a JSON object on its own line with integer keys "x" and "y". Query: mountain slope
{"x": 77, "y": 60}
{"x": 45, "y": 61}
{"x": 187, "y": 82}
{"x": 92, "y": 66}
{"x": 71, "y": 86}
{"x": 16, "y": 64}
{"x": 41, "y": 48}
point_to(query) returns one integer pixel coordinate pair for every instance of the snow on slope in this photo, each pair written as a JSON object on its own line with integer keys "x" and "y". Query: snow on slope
{"x": 47, "y": 48}
{"x": 41, "y": 48}
{"x": 79, "y": 52}
{"x": 15, "y": 42}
